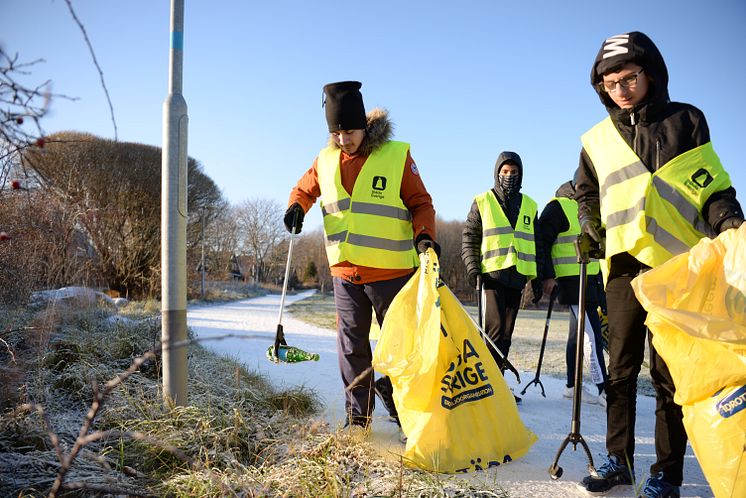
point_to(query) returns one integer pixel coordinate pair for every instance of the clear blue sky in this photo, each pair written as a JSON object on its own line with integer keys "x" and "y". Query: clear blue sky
{"x": 462, "y": 80}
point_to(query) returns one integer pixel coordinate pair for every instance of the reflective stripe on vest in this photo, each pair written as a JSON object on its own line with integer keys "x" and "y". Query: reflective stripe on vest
{"x": 503, "y": 246}
{"x": 653, "y": 216}
{"x": 564, "y": 259}
{"x": 372, "y": 227}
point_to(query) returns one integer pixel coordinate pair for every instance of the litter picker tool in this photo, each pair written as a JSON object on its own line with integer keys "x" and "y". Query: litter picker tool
{"x": 536, "y": 380}
{"x": 506, "y": 363}
{"x": 582, "y": 249}
{"x": 280, "y": 352}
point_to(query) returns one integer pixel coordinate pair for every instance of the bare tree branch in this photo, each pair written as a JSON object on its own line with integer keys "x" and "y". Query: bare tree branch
{"x": 95, "y": 62}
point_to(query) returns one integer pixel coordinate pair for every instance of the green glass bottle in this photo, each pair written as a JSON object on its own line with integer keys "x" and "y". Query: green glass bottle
{"x": 290, "y": 354}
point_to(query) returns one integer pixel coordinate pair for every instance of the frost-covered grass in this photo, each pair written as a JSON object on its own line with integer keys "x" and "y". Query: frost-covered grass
{"x": 238, "y": 436}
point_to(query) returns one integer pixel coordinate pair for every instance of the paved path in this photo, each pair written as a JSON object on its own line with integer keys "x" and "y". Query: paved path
{"x": 256, "y": 320}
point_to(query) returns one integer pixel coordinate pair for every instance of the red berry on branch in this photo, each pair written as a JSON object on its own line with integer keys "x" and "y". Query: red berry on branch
{"x": 4, "y": 236}
{"x": 19, "y": 120}
{"x": 40, "y": 142}
{"x": 15, "y": 184}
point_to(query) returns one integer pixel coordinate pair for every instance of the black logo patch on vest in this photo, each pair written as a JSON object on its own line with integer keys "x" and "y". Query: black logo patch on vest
{"x": 379, "y": 183}
{"x": 526, "y": 220}
{"x": 702, "y": 178}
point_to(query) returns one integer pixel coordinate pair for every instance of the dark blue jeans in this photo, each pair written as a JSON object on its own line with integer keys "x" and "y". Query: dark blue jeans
{"x": 355, "y": 305}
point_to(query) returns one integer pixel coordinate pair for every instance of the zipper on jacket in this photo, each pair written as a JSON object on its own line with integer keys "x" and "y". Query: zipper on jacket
{"x": 657, "y": 154}
{"x": 633, "y": 122}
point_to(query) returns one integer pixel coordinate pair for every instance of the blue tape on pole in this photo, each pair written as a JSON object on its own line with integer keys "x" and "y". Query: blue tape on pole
{"x": 177, "y": 40}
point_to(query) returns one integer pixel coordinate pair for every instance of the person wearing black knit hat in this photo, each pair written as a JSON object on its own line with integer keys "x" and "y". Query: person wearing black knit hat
{"x": 377, "y": 217}
{"x": 497, "y": 245}
{"x": 650, "y": 159}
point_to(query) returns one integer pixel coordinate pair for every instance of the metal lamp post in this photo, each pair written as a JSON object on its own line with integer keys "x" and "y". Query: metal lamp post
{"x": 173, "y": 221}
{"x": 202, "y": 211}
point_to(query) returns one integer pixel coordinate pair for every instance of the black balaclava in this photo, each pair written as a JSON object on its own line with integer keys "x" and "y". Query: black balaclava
{"x": 344, "y": 106}
{"x": 508, "y": 186}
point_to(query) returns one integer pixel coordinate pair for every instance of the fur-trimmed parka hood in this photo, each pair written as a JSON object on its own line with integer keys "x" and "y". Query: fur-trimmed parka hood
{"x": 380, "y": 130}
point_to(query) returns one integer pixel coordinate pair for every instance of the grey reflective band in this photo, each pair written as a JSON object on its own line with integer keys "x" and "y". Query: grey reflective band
{"x": 566, "y": 239}
{"x": 381, "y": 210}
{"x": 335, "y": 207}
{"x": 531, "y": 258}
{"x": 685, "y": 208}
{"x": 566, "y": 260}
{"x": 336, "y": 238}
{"x": 625, "y": 216}
{"x": 626, "y": 173}
{"x": 380, "y": 243}
{"x": 665, "y": 238}
{"x": 506, "y": 230}
{"x": 504, "y": 251}
{"x": 496, "y": 231}
{"x": 496, "y": 253}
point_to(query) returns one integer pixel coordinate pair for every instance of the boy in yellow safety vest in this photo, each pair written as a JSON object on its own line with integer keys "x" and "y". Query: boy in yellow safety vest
{"x": 498, "y": 245}
{"x": 560, "y": 271}
{"x": 649, "y": 186}
{"x": 377, "y": 216}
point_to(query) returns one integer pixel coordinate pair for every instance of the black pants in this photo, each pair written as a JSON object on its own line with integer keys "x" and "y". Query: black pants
{"x": 355, "y": 305}
{"x": 627, "y": 333}
{"x": 501, "y": 309}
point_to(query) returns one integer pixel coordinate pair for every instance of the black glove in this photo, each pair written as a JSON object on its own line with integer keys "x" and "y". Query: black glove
{"x": 471, "y": 279}
{"x": 592, "y": 226}
{"x": 424, "y": 241}
{"x": 592, "y": 236}
{"x": 295, "y": 214}
{"x": 732, "y": 222}
{"x": 538, "y": 290}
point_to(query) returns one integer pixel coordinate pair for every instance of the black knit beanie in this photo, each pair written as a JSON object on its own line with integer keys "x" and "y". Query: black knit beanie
{"x": 344, "y": 106}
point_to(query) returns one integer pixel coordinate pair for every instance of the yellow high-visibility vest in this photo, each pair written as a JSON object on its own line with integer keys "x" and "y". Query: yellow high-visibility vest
{"x": 372, "y": 227}
{"x": 652, "y": 216}
{"x": 564, "y": 259}
{"x": 502, "y": 245}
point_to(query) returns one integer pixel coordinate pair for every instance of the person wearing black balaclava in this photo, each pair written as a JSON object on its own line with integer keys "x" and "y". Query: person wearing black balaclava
{"x": 498, "y": 245}
{"x": 650, "y": 159}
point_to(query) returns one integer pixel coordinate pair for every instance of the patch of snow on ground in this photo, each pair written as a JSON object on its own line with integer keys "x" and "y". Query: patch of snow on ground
{"x": 256, "y": 321}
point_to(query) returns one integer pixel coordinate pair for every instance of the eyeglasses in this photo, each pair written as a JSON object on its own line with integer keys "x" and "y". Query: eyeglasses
{"x": 626, "y": 82}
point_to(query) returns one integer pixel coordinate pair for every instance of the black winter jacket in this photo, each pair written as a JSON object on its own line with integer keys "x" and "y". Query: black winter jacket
{"x": 658, "y": 130}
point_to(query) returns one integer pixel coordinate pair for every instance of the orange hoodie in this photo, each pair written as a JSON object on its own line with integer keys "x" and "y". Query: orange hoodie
{"x": 413, "y": 194}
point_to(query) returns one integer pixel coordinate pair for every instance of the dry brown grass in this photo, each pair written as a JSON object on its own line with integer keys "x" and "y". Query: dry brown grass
{"x": 72, "y": 421}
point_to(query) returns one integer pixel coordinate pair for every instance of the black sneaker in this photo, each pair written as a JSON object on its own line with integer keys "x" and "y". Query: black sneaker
{"x": 657, "y": 487}
{"x": 611, "y": 473}
{"x": 385, "y": 391}
{"x": 357, "y": 421}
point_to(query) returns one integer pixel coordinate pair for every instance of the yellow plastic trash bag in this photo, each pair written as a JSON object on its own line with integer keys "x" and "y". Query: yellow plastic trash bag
{"x": 453, "y": 403}
{"x": 717, "y": 429}
{"x": 696, "y": 305}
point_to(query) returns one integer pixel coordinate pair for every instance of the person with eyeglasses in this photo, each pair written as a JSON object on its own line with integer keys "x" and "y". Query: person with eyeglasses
{"x": 649, "y": 186}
